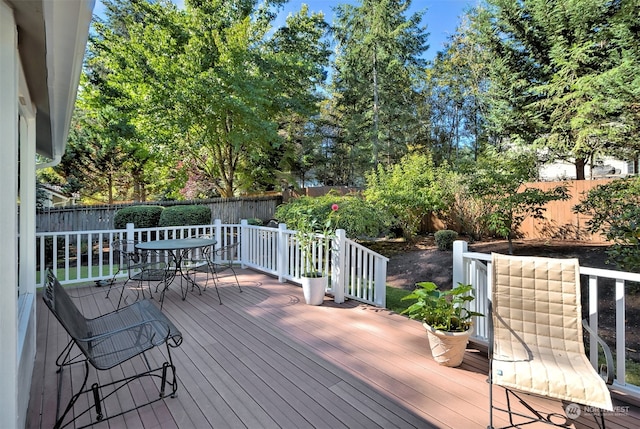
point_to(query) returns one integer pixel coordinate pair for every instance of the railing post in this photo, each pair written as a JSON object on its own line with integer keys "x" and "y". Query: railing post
{"x": 217, "y": 232}
{"x": 131, "y": 234}
{"x": 244, "y": 242}
{"x": 283, "y": 253}
{"x": 459, "y": 247}
{"x": 380, "y": 283}
{"x": 337, "y": 265}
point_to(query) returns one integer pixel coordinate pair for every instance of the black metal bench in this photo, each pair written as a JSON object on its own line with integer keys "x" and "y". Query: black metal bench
{"x": 107, "y": 341}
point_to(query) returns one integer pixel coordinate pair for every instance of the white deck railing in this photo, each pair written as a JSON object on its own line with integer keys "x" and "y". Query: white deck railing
{"x": 354, "y": 271}
{"x": 475, "y": 269}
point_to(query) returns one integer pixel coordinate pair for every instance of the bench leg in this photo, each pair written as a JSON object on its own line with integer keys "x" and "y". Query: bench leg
{"x": 96, "y": 401}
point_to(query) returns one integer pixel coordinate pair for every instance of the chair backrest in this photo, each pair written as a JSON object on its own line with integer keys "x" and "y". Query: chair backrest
{"x": 126, "y": 249}
{"x": 535, "y": 301}
{"x": 62, "y": 306}
{"x": 226, "y": 255}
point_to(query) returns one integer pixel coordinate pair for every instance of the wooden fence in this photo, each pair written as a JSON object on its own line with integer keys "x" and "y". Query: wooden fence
{"x": 94, "y": 218}
{"x": 560, "y": 222}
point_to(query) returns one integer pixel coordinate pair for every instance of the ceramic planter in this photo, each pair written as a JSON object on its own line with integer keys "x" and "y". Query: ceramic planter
{"x": 313, "y": 289}
{"x": 447, "y": 348}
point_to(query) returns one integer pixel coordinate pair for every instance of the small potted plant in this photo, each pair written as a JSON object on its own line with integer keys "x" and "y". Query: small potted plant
{"x": 312, "y": 237}
{"x": 447, "y": 321}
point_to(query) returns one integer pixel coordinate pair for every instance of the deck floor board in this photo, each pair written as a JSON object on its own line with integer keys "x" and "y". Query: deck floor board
{"x": 264, "y": 359}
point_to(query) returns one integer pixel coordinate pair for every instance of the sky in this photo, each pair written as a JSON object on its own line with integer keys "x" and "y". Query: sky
{"x": 442, "y": 16}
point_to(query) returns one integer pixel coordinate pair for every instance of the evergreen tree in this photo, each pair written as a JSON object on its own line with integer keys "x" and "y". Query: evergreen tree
{"x": 379, "y": 57}
{"x": 550, "y": 64}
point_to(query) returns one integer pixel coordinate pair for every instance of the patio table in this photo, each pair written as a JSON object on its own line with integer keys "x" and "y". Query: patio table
{"x": 177, "y": 248}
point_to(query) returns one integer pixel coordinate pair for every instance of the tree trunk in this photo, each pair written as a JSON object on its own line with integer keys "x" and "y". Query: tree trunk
{"x": 580, "y": 164}
{"x": 375, "y": 109}
{"x": 110, "y": 185}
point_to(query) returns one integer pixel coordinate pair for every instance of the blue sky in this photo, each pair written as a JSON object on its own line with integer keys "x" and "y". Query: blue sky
{"x": 442, "y": 16}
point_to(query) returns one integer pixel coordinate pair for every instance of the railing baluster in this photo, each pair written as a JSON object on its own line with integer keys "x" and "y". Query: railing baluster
{"x": 621, "y": 343}
{"x": 593, "y": 319}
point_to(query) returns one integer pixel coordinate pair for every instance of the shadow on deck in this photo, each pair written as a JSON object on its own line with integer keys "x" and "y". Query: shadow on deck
{"x": 265, "y": 359}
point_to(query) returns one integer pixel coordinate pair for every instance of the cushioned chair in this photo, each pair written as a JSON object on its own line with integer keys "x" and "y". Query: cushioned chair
{"x": 536, "y": 345}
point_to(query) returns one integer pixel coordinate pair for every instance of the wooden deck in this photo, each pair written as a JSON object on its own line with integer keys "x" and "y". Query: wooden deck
{"x": 264, "y": 359}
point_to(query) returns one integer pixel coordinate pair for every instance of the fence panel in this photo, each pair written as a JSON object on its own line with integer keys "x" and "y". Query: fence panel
{"x": 93, "y": 218}
{"x": 560, "y": 222}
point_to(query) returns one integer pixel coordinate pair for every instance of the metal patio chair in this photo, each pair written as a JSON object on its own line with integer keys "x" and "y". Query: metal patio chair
{"x": 142, "y": 266}
{"x": 223, "y": 259}
{"x": 199, "y": 260}
{"x": 213, "y": 262}
{"x": 105, "y": 342}
{"x": 536, "y": 340}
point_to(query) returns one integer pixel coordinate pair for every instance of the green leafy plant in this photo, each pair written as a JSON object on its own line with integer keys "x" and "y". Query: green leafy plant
{"x": 312, "y": 237}
{"x": 445, "y": 238}
{"x": 614, "y": 209}
{"x": 498, "y": 180}
{"x": 443, "y": 310}
{"x": 358, "y": 217}
{"x": 409, "y": 190}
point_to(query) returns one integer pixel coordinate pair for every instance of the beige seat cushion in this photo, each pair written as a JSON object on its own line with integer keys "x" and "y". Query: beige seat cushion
{"x": 538, "y": 345}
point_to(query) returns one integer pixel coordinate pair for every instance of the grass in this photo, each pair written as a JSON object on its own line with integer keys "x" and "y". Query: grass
{"x": 394, "y": 299}
{"x": 73, "y": 274}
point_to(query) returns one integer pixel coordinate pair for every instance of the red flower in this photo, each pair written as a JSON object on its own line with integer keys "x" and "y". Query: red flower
{"x": 335, "y": 207}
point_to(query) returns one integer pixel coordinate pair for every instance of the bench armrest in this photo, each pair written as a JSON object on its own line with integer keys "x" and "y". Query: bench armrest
{"x": 142, "y": 323}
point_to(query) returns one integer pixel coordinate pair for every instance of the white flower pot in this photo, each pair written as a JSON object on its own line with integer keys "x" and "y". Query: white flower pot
{"x": 447, "y": 348}
{"x": 313, "y": 289}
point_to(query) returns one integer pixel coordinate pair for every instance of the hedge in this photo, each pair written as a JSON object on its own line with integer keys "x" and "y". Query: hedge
{"x": 140, "y": 216}
{"x": 185, "y": 215}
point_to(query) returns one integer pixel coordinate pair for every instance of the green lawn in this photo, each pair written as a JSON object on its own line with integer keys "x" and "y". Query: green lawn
{"x": 73, "y": 274}
{"x": 394, "y": 299}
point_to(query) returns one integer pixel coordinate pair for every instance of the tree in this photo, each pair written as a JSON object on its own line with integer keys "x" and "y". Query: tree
{"x": 249, "y": 83}
{"x": 549, "y": 62}
{"x": 206, "y": 93}
{"x": 498, "y": 179}
{"x": 378, "y": 60}
{"x": 127, "y": 73}
{"x": 454, "y": 91}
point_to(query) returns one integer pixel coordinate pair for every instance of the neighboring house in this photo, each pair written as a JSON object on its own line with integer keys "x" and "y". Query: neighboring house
{"x": 42, "y": 44}
{"x": 54, "y": 196}
{"x": 606, "y": 167}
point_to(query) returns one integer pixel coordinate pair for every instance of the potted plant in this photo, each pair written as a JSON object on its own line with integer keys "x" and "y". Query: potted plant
{"x": 313, "y": 278}
{"x": 447, "y": 321}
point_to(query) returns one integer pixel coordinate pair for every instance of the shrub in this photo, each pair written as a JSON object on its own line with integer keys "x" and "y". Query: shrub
{"x": 408, "y": 190}
{"x": 185, "y": 215}
{"x": 140, "y": 216}
{"x": 445, "y": 239}
{"x": 614, "y": 209}
{"x": 355, "y": 215}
